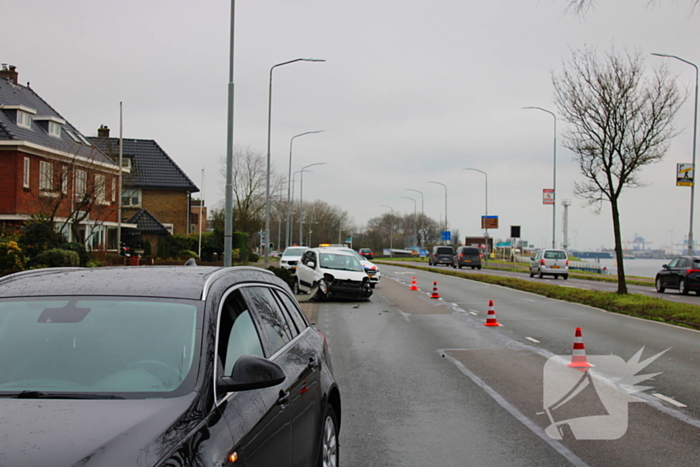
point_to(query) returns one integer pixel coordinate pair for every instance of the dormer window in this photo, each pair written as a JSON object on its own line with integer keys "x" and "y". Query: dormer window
{"x": 126, "y": 163}
{"x": 50, "y": 124}
{"x": 24, "y": 119}
{"x": 21, "y": 114}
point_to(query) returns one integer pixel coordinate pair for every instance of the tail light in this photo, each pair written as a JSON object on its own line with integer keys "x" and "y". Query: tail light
{"x": 567, "y": 262}
{"x": 542, "y": 263}
{"x": 461, "y": 255}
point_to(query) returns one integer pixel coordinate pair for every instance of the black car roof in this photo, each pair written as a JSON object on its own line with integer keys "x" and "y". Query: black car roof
{"x": 185, "y": 282}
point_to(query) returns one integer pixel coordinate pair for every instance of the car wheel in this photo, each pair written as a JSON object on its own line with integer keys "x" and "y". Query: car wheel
{"x": 316, "y": 293}
{"x": 556, "y": 276}
{"x": 682, "y": 287}
{"x": 296, "y": 289}
{"x": 532, "y": 274}
{"x": 659, "y": 288}
{"x": 479, "y": 268}
{"x": 540, "y": 274}
{"x": 329, "y": 454}
{"x": 565, "y": 276}
{"x": 371, "y": 286}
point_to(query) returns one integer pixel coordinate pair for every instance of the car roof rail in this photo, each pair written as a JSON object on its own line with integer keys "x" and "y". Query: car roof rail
{"x": 17, "y": 274}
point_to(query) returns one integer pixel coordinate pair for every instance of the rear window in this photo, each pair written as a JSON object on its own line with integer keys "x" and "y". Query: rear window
{"x": 554, "y": 255}
{"x": 471, "y": 251}
{"x": 445, "y": 250}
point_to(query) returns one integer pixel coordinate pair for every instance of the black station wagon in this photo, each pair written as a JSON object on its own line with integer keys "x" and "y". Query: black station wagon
{"x": 162, "y": 366}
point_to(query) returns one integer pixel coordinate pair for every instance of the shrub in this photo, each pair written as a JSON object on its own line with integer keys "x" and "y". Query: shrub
{"x": 283, "y": 274}
{"x": 11, "y": 257}
{"x": 56, "y": 258}
{"x": 188, "y": 254}
{"x": 79, "y": 248}
{"x": 253, "y": 257}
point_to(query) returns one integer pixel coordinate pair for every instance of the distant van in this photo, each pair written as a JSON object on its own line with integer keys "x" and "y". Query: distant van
{"x": 550, "y": 262}
{"x": 441, "y": 255}
{"x": 469, "y": 256}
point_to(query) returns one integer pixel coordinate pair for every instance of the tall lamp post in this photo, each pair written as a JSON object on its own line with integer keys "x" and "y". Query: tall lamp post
{"x": 228, "y": 205}
{"x": 422, "y": 211}
{"x": 269, "y": 126}
{"x": 695, "y": 133}
{"x": 445, "y": 187}
{"x": 486, "y": 195}
{"x": 391, "y": 231}
{"x": 554, "y": 176}
{"x": 291, "y": 219}
{"x": 301, "y": 192}
{"x": 415, "y": 214}
{"x": 289, "y": 186}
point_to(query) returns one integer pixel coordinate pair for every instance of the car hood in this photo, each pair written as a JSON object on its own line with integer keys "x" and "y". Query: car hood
{"x": 87, "y": 432}
{"x": 339, "y": 274}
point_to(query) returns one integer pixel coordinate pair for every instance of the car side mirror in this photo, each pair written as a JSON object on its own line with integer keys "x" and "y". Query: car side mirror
{"x": 665, "y": 266}
{"x": 311, "y": 264}
{"x": 251, "y": 372}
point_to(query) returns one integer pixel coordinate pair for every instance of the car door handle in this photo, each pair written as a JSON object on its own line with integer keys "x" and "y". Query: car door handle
{"x": 283, "y": 398}
{"x": 313, "y": 363}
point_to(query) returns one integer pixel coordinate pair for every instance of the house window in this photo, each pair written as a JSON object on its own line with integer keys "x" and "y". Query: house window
{"x": 24, "y": 119}
{"x": 27, "y": 164}
{"x": 54, "y": 129}
{"x": 100, "y": 189}
{"x": 114, "y": 189}
{"x": 64, "y": 180}
{"x": 80, "y": 183}
{"x": 45, "y": 176}
{"x": 169, "y": 227}
{"x": 126, "y": 163}
{"x": 131, "y": 197}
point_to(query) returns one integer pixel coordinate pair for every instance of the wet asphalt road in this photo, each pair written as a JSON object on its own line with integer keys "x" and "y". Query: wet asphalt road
{"x": 424, "y": 382}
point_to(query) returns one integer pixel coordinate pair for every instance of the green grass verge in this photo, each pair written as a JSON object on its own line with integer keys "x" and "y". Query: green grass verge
{"x": 641, "y": 306}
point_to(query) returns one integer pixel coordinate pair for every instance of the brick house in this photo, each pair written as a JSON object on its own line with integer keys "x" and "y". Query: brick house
{"x": 156, "y": 193}
{"x": 48, "y": 167}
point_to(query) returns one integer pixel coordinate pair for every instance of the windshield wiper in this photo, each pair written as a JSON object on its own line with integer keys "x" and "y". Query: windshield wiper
{"x": 45, "y": 395}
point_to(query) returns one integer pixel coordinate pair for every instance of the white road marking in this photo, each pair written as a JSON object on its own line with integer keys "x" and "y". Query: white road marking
{"x": 406, "y": 316}
{"x": 532, "y": 340}
{"x": 669, "y": 400}
{"x": 473, "y": 313}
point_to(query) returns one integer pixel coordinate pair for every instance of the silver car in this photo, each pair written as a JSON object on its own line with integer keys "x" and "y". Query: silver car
{"x": 550, "y": 262}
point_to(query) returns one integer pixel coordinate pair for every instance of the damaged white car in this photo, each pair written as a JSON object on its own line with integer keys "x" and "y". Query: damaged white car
{"x": 326, "y": 273}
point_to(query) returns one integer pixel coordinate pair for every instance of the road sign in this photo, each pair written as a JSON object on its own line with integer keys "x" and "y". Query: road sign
{"x": 489, "y": 222}
{"x": 514, "y": 231}
{"x": 547, "y": 196}
{"x": 684, "y": 174}
{"x": 446, "y": 235}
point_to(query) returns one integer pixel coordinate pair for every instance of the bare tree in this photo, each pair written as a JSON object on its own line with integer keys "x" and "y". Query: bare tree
{"x": 582, "y": 6}
{"x": 249, "y": 185}
{"x": 619, "y": 120}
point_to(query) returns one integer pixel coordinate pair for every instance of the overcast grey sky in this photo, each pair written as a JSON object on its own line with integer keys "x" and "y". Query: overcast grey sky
{"x": 411, "y": 92}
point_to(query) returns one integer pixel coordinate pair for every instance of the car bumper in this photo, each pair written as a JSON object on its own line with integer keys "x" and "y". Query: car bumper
{"x": 349, "y": 289}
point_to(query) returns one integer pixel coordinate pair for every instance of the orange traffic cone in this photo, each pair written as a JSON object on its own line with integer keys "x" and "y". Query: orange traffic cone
{"x": 491, "y": 318}
{"x": 435, "y": 291}
{"x": 578, "y": 358}
{"x": 414, "y": 286}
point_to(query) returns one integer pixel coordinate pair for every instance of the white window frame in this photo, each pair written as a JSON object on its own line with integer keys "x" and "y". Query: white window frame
{"x": 64, "y": 180}
{"x": 54, "y": 129}
{"x": 114, "y": 189}
{"x": 100, "y": 187}
{"x": 45, "y": 176}
{"x": 169, "y": 227}
{"x": 128, "y": 194}
{"x": 24, "y": 119}
{"x": 80, "y": 183}
{"x": 26, "y": 179}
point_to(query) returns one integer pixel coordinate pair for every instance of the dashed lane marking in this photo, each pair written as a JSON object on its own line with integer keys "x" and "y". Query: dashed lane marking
{"x": 532, "y": 340}
{"x": 669, "y": 400}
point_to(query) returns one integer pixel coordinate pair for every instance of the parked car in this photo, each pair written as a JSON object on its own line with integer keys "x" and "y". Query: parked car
{"x": 162, "y": 366}
{"x": 291, "y": 256}
{"x": 469, "y": 256}
{"x": 549, "y": 262}
{"x": 682, "y": 273}
{"x": 371, "y": 269}
{"x": 442, "y": 255}
{"x": 367, "y": 253}
{"x": 332, "y": 273}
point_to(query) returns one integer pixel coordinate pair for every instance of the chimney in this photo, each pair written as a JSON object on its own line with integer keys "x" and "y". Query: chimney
{"x": 9, "y": 72}
{"x": 103, "y": 131}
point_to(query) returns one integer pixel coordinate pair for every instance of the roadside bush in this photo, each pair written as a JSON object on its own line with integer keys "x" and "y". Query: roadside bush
{"x": 56, "y": 258}
{"x": 187, "y": 254}
{"x": 11, "y": 257}
{"x": 283, "y": 274}
{"x": 79, "y": 248}
{"x": 253, "y": 257}
{"x": 39, "y": 235}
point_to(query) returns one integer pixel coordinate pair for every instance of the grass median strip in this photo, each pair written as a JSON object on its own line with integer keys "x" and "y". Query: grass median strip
{"x": 641, "y": 306}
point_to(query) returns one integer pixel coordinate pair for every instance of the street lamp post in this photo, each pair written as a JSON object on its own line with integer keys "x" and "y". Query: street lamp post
{"x": 391, "y": 231}
{"x": 269, "y": 127}
{"x": 301, "y": 192}
{"x": 291, "y": 219}
{"x": 445, "y": 187}
{"x": 691, "y": 246}
{"x": 554, "y": 176}
{"x": 415, "y": 214}
{"x": 422, "y": 212}
{"x": 288, "y": 230}
{"x": 486, "y": 195}
{"x": 228, "y": 192}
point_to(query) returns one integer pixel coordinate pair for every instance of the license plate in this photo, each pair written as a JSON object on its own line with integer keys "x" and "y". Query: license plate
{"x": 467, "y": 261}
{"x": 555, "y": 267}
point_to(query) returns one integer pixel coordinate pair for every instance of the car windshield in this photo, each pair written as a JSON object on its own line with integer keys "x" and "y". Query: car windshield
{"x": 294, "y": 251}
{"x": 340, "y": 262}
{"x": 92, "y": 346}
